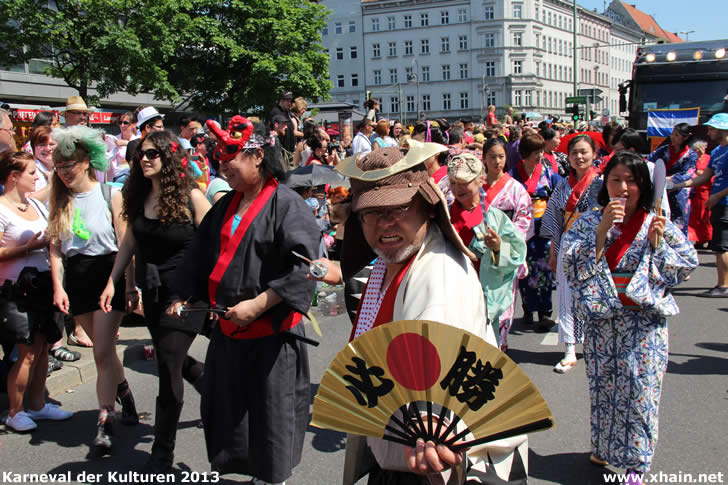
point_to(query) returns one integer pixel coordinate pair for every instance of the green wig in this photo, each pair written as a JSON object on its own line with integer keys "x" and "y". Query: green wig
{"x": 80, "y": 136}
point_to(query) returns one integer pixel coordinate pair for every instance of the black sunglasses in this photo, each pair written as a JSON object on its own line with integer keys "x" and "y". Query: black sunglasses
{"x": 124, "y": 122}
{"x": 151, "y": 153}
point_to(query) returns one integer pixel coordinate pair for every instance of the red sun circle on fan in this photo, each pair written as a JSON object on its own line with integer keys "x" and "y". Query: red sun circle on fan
{"x": 413, "y": 361}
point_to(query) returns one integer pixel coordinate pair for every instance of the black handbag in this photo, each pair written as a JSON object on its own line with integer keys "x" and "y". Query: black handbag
{"x": 33, "y": 290}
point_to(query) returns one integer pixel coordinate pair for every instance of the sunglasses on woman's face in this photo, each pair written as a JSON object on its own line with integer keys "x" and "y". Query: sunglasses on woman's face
{"x": 125, "y": 122}
{"x": 150, "y": 154}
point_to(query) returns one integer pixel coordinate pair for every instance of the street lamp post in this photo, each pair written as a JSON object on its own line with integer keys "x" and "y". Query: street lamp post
{"x": 687, "y": 33}
{"x": 415, "y": 76}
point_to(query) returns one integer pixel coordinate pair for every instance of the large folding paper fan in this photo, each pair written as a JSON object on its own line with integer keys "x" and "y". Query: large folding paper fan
{"x": 420, "y": 379}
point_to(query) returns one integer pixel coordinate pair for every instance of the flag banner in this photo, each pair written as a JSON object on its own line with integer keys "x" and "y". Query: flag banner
{"x": 660, "y": 122}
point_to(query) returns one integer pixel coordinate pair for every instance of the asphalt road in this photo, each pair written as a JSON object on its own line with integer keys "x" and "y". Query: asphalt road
{"x": 693, "y": 413}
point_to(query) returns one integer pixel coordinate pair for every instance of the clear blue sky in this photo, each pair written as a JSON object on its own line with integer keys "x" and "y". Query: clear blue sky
{"x": 708, "y": 18}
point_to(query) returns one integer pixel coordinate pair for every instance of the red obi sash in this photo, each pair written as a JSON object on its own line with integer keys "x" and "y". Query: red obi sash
{"x": 621, "y": 280}
{"x": 386, "y": 310}
{"x": 229, "y": 244}
{"x": 675, "y": 157}
{"x": 531, "y": 182}
{"x": 492, "y": 191}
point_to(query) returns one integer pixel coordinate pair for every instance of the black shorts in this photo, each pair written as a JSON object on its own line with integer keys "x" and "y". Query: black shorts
{"x": 719, "y": 221}
{"x": 20, "y": 327}
{"x": 86, "y": 278}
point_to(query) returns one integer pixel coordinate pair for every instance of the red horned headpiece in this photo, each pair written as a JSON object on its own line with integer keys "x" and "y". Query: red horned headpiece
{"x": 236, "y": 138}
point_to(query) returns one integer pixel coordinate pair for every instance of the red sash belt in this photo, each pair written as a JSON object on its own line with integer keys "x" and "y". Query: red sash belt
{"x": 621, "y": 281}
{"x": 531, "y": 182}
{"x": 262, "y": 327}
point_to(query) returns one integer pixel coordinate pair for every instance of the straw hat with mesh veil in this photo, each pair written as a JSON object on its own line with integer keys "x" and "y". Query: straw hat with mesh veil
{"x": 390, "y": 177}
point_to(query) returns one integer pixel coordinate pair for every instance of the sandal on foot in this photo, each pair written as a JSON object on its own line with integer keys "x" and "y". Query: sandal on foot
{"x": 62, "y": 353}
{"x": 595, "y": 460}
{"x": 564, "y": 366}
{"x": 72, "y": 340}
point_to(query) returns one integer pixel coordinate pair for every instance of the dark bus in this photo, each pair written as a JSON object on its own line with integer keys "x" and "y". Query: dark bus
{"x": 678, "y": 75}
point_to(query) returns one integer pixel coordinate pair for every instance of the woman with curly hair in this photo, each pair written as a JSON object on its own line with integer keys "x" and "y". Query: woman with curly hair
{"x": 163, "y": 207}
{"x": 84, "y": 231}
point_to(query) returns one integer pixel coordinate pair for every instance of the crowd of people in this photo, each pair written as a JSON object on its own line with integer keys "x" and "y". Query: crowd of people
{"x": 454, "y": 223}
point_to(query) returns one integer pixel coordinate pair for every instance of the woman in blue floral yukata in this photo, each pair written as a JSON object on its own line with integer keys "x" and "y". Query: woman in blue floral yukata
{"x": 621, "y": 263}
{"x": 534, "y": 172}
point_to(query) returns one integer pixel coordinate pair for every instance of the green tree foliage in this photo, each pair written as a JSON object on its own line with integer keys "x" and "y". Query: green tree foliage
{"x": 237, "y": 55}
{"x": 218, "y": 56}
{"x": 99, "y": 43}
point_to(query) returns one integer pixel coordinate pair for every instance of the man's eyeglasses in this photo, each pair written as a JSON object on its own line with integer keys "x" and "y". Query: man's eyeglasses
{"x": 10, "y": 130}
{"x": 151, "y": 153}
{"x": 65, "y": 167}
{"x": 372, "y": 216}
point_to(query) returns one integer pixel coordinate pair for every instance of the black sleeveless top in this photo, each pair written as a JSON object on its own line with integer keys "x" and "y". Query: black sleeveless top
{"x": 160, "y": 249}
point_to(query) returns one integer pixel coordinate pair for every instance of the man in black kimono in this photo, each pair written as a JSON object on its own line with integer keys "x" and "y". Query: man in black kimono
{"x": 255, "y": 399}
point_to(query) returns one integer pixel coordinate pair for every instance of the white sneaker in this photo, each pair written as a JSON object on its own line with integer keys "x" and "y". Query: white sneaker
{"x": 20, "y": 422}
{"x": 51, "y": 412}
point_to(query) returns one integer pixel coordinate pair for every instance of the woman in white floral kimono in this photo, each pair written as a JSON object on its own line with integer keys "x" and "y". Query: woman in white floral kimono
{"x": 621, "y": 275}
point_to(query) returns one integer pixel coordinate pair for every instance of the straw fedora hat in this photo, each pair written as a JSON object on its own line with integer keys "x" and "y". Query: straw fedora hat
{"x": 76, "y": 103}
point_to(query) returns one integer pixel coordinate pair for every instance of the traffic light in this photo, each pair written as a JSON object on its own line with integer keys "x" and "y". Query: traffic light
{"x": 575, "y": 113}
{"x": 369, "y": 95}
{"x": 592, "y": 115}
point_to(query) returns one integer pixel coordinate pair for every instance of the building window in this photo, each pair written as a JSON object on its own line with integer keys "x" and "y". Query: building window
{"x": 489, "y": 12}
{"x": 340, "y": 80}
{"x": 536, "y": 16}
{"x": 338, "y": 27}
{"x": 410, "y": 103}
{"x": 462, "y": 42}
{"x": 391, "y": 49}
{"x": 446, "y": 105}
{"x": 489, "y": 39}
{"x": 464, "y": 103}
{"x": 491, "y": 98}
{"x": 339, "y": 53}
{"x": 325, "y": 30}
{"x": 425, "y": 73}
{"x": 517, "y": 67}
{"x": 490, "y": 68}
{"x": 518, "y": 39}
{"x": 393, "y": 76}
{"x": 517, "y": 97}
{"x": 517, "y": 11}
{"x": 424, "y": 19}
{"x": 444, "y": 44}
{"x": 394, "y": 104}
{"x": 446, "y": 72}
{"x": 377, "y": 76}
{"x": 425, "y": 102}
{"x": 408, "y": 75}
{"x": 462, "y": 15}
{"x": 408, "y": 47}
{"x": 407, "y": 21}
{"x": 352, "y": 26}
{"x": 391, "y": 23}
{"x": 376, "y": 52}
{"x": 424, "y": 46}
{"x": 353, "y": 52}
{"x": 463, "y": 71}
{"x": 444, "y": 17}
{"x": 375, "y": 25}
{"x": 527, "y": 97}
{"x": 354, "y": 79}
